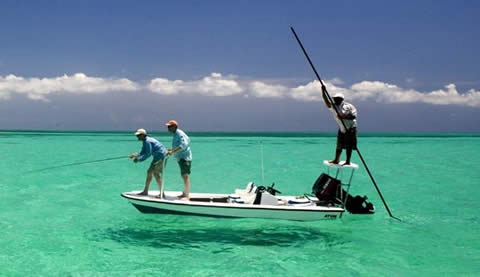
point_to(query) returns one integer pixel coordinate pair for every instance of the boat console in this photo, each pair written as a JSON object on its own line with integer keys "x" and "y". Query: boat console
{"x": 260, "y": 195}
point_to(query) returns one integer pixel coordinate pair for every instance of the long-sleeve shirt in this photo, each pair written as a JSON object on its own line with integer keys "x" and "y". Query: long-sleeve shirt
{"x": 152, "y": 147}
{"x": 345, "y": 109}
{"x": 180, "y": 139}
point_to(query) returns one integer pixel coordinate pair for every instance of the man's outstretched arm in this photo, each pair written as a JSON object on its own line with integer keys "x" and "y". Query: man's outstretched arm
{"x": 325, "y": 98}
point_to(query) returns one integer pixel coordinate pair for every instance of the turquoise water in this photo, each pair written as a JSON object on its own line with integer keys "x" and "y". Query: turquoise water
{"x": 72, "y": 221}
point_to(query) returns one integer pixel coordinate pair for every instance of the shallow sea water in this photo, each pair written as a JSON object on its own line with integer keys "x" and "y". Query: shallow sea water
{"x": 72, "y": 221}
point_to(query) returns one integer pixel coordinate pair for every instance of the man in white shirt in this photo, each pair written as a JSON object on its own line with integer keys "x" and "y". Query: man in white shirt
{"x": 347, "y": 134}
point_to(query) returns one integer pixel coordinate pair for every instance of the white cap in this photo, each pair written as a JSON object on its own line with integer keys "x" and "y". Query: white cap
{"x": 339, "y": 95}
{"x": 141, "y": 132}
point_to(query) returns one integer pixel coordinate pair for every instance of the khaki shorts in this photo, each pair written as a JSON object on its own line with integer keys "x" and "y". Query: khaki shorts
{"x": 157, "y": 167}
{"x": 185, "y": 166}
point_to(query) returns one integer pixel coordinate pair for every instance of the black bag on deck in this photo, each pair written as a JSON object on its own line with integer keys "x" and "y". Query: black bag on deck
{"x": 326, "y": 188}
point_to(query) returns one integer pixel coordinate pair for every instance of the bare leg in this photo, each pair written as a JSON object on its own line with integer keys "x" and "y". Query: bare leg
{"x": 147, "y": 183}
{"x": 338, "y": 152}
{"x": 349, "y": 155}
{"x": 159, "y": 183}
{"x": 186, "y": 192}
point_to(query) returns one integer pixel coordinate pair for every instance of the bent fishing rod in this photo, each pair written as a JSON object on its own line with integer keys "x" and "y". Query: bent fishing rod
{"x": 77, "y": 163}
{"x": 324, "y": 90}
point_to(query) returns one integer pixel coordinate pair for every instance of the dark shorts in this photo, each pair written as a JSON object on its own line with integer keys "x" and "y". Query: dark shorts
{"x": 347, "y": 140}
{"x": 185, "y": 166}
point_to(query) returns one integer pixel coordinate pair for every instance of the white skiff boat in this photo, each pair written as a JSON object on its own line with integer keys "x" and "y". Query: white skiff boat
{"x": 254, "y": 201}
{"x": 224, "y": 205}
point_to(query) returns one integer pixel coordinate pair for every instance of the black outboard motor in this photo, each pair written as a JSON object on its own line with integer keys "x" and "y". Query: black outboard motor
{"x": 327, "y": 189}
{"x": 359, "y": 205}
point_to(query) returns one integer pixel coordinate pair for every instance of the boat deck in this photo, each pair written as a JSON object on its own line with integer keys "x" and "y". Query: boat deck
{"x": 228, "y": 205}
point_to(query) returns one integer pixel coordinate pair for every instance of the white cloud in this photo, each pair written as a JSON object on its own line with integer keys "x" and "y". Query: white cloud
{"x": 336, "y": 81}
{"x": 313, "y": 91}
{"x": 165, "y": 86}
{"x": 39, "y": 89}
{"x": 309, "y": 92}
{"x": 218, "y": 85}
{"x": 388, "y": 93}
{"x": 261, "y": 90}
{"x": 213, "y": 85}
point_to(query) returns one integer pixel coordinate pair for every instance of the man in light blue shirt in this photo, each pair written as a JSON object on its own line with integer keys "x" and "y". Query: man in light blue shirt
{"x": 183, "y": 154}
{"x": 150, "y": 147}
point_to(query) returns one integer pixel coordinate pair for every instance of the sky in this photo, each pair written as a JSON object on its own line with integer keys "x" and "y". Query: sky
{"x": 407, "y": 66}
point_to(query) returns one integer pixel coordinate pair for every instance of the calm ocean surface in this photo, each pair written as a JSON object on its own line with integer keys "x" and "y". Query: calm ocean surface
{"x": 72, "y": 221}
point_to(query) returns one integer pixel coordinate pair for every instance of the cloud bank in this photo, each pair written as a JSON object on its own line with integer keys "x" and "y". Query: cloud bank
{"x": 217, "y": 85}
{"x": 387, "y": 93}
{"x": 39, "y": 89}
{"x": 213, "y": 85}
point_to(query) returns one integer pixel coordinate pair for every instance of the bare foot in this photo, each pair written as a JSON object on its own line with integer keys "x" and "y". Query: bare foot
{"x": 185, "y": 198}
{"x": 333, "y": 162}
{"x": 346, "y": 163}
{"x": 160, "y": 196}
{"x": 143, "y": 193}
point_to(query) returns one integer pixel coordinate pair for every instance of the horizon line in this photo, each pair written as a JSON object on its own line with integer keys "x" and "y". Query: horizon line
{"x": 259, "y": 133}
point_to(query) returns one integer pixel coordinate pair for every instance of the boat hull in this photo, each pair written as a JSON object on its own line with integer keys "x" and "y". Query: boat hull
{"x": 172, "y": 205}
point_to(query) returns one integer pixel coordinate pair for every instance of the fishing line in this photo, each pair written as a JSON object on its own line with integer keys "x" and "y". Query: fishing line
{"x": 77, "y": 163}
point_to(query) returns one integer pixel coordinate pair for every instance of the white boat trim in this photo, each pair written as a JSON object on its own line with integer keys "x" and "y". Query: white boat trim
{"x": 170, "y": 204}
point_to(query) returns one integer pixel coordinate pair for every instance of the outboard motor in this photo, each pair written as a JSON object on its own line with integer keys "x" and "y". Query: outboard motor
{"x": 327, "y": 189}
{"x": 359, "y": 204}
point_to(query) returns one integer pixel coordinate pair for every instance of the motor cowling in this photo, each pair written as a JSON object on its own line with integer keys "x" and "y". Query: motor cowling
{"x": 359, "y": 205}
{"x": 328, "y": 191}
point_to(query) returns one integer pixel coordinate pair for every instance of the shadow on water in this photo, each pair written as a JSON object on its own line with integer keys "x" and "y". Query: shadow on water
{"x": 186, "y": 235}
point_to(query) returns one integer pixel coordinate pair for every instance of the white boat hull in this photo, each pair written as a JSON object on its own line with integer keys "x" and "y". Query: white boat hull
{"x": 201, "y": 206}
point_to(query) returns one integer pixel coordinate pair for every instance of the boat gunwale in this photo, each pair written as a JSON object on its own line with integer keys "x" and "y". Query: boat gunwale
{"x": 237, "y": 206}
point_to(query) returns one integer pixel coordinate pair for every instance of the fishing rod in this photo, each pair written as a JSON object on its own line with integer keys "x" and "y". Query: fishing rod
{"x": 77, "y": 163}
{"x": 163, "y": 176}
{"x": 261, "y": 158}
{"x": 324, "y": 90}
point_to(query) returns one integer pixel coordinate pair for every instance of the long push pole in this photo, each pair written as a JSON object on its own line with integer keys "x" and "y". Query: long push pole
{"x": 324, "y": 89}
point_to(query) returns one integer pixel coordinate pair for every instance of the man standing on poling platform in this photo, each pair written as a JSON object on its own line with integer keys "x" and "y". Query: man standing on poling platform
{"x": 347, "y": 134}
